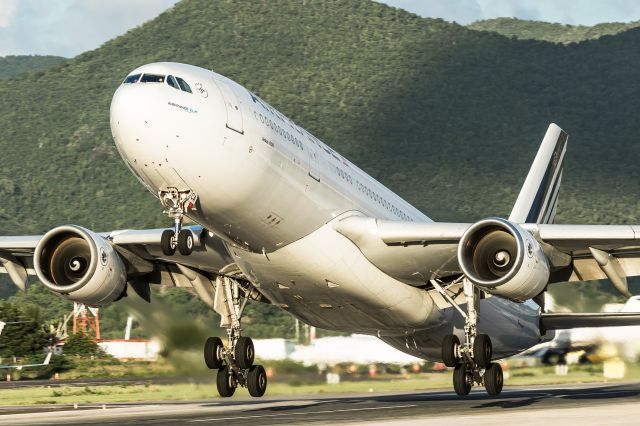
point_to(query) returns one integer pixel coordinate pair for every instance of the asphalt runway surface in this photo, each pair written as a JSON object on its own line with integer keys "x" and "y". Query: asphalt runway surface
{"x": 602, "y": 404}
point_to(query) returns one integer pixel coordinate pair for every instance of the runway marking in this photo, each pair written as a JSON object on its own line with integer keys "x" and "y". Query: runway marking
{"x": 305, "y": 413}
{"x": 630, "y": 392}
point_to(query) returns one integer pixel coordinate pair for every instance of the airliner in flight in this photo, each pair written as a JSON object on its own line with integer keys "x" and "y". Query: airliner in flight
{"x": 282, "y": 218}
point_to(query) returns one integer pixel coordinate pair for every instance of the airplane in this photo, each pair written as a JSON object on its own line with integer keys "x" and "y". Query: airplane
{"x": 283, "y": 218}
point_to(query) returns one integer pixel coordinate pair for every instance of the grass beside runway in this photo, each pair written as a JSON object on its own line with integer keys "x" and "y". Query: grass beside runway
{"x": 197, "y": 391}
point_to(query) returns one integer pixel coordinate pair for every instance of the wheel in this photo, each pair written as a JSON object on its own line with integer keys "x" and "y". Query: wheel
{"x": 225, "y": 382}
{"x": 166, "y": 243}
{"x": 449, "y": 348}
{"x": 461, "y": 380}
{"x": 213, "y": 348}
{"x": 482, "y": 350}
{"x": 257, "y": 381}
{"x": 493, "y": 379}
{"x": 244, "y": 352}
{"x": 185, "y": 242}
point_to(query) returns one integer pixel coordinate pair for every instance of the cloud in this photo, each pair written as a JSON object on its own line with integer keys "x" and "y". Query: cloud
{"x": 575, "y": 12}
{"x": 70, "y": 27}
{"x": 7, "y": 11}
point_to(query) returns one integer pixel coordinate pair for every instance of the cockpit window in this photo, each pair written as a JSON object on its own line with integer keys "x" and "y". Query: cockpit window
{"x": 183, "y": 85}
{"x": 133, "y": 78}
{"x": 152, "y": 78}
{"x": 171, "y": 81}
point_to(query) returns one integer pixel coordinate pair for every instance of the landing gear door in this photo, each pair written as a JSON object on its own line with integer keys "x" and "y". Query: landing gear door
{"x": 234, "y": 114}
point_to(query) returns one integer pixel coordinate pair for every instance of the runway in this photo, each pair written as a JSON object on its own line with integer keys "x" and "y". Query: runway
{"x": 615, "y": 404}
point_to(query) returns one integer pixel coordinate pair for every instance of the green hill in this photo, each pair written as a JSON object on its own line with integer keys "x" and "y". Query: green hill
{"x": 448, "y": 117}
{"x": 12, "y": 66}
{"x": 552, "y": 32}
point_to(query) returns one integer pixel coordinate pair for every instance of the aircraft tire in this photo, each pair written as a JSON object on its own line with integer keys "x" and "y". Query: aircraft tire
{"x": 449, "y": 345}
{"x": 185, "y": 242}
{"x": 257, "y": 381}
{"x": 168, "y": 248}
{"x": 493, "y": 379}
{"x": 225, "y": 382}
{"x": 482, "y": 350}
{"x": 212, "y": 353}
{"x": 461, "y": 380}
{"x": 244, "y": 352}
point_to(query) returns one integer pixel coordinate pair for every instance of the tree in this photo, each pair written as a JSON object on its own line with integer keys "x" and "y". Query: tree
{"x": 82, "y": 345}
{"x": 24, "y": 334}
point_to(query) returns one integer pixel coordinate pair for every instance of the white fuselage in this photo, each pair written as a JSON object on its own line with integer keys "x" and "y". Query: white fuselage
{"x": 270, "y": 190}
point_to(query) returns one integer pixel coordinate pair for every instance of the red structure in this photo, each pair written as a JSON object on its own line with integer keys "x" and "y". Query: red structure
{"x": 86, "y": 320}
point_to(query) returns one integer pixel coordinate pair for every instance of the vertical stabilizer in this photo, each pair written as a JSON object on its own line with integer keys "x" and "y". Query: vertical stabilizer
{"x": 539, "y": 195}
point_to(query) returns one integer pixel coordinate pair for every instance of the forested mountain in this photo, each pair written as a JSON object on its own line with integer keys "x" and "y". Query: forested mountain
{"x": 547, "y": 31}
{"x": 11, "y": 66}
{"x": 448, "y": 117}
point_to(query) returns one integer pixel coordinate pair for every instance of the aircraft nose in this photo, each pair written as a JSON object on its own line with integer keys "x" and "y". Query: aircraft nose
{"x": 122, "y": 113}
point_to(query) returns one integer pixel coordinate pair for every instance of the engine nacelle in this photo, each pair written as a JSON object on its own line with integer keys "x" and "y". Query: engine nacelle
{"x": 80, "y": 265}
{"x": 503, "y": 259}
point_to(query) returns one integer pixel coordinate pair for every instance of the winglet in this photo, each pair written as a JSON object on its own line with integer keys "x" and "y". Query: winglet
{"x": 539, "y": 195}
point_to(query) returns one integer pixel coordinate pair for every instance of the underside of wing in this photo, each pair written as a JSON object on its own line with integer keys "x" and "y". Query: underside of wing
{"x": 412, "y": 252}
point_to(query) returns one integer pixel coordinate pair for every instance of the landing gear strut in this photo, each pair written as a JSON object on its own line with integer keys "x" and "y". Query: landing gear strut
{"x": 234, "y": 361}
{"x": 471, "y": 358}
{"x": 177, "y": 203}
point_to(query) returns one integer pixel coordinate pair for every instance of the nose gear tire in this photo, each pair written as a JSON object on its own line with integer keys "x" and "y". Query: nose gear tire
{"x": 167, "y": 244}
{"x": 185, "y": 242}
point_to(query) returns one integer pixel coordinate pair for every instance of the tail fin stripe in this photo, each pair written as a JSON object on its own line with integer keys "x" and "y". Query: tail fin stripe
{"x": 538, "y": 197}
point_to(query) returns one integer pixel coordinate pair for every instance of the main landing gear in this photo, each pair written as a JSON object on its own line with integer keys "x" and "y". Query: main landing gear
{"x": 177, "y": 203}
{"x": 235, "y": 360}
{"x": 471, "y": 358}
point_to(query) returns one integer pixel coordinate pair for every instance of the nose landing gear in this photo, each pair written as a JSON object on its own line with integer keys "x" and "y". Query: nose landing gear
{"x": 234, "y": 361}
{"x": 177, "y": 203}
{"x": 472, "y": 358}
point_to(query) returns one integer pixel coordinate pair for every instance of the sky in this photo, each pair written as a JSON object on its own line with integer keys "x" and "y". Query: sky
{"x": 69, "y": 27}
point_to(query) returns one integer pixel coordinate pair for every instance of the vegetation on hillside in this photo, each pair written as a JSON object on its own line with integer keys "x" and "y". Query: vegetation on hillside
{"x": 12, "y": 66}
{"x": 448, "y": 117}
{"x": 548, "y": 31}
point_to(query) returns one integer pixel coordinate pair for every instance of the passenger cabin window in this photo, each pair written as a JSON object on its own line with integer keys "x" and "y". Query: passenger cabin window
{"x": 183, "y": 85}
{"x": 171, "y": 81}
{"x": 133, "y": 78}
{"x": 152, "y": 78}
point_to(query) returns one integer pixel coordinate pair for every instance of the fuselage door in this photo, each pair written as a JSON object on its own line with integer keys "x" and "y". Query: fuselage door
{"x": 314, "y": 161}
{"x": 234, "y": 113}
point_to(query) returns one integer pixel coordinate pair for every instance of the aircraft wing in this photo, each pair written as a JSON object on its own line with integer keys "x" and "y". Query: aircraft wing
{"x": 142, "y": 254}
{"x": 418, "y": 252}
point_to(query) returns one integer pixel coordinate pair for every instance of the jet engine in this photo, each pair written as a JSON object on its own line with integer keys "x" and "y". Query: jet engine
{"x": 503, "y": 259}
{"x": 80, "y": 265}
